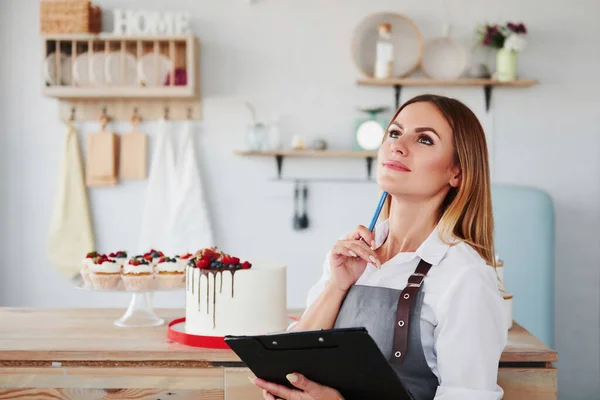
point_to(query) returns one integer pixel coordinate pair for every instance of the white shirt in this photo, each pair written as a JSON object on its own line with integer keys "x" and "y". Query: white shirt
{"x": 463, "y": 330}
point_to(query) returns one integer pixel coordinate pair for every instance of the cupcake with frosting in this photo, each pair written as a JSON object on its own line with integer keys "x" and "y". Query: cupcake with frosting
{"x": 120, "y": 257}
{"x": 138, "y": 275}
{"x": 153, "y": 256}
{"x": 84, "y": 271}
{"x": 169, "y": 273}
{"x": 105, "y": 273}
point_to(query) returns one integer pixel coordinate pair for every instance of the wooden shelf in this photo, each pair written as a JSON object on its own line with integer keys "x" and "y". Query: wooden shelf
{"x": 74, "y": 92}
{"x": 310, "y": 153}
{"x": 369, "y": 156}
{"x": 107, "y": 36}
{"x": 151, "y": 96}
{"x": 434, "y": 82}
{"x": 486, "y": 84}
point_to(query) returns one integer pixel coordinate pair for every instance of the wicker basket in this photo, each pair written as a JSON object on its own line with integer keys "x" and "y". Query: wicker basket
{"x": 69, "y": 16}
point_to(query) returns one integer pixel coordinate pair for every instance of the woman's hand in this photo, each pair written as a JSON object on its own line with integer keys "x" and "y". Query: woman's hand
{"x": 349, "y": 257}
{"x": 309, "y": 390}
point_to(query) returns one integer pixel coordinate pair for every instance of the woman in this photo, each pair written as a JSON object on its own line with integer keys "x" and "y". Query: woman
{"x": 436, "y": 233}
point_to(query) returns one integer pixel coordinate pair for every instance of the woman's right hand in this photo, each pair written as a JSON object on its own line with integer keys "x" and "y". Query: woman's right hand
{"x": 349, "y": 257}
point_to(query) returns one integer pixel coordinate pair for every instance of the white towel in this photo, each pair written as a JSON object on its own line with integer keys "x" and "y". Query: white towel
{"x": 190, "y": 228}
{"x": 158, "y": 207}
{"x": 70, "y": 236}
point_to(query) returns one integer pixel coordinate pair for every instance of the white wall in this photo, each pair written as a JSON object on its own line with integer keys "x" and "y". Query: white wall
{"x": 292, "y": 59}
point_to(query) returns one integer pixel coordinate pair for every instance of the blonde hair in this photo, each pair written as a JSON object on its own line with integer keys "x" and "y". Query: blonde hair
{"x": 466, "y": 212}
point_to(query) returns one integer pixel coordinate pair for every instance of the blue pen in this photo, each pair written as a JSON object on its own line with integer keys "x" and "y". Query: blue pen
{"x": 378, "y": 211}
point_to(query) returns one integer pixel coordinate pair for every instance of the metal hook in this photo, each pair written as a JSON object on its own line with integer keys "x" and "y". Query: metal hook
{"x": 166, "y": 113}
{"x": 103, "y": 118}
{"x": 72, "y": 115}
{"x": 135, "y": 118}
{"x": 189, "y": 113}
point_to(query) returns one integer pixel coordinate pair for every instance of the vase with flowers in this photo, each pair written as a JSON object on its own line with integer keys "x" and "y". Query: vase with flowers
{"x": 509, "y": 41}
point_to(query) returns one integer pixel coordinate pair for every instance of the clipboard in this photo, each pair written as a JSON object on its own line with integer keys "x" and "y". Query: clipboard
{"x": 346, "y": 359}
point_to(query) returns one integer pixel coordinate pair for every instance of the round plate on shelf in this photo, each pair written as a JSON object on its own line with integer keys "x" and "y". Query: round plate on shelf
{"x": 406, "y": 38}
{"x": 112, "y": 66}
{"x": 151, "y": 76}
{"x": 444, "y": 58}
{"x": 81, "y": 70}
{"x": 66, "y": 71}
{"x": 98, "y": 71}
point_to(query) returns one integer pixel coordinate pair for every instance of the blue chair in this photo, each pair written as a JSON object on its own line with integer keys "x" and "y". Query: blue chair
{"x": 524, "y": 239}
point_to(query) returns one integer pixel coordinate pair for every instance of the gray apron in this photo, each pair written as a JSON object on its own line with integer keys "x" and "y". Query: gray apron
{"x": 376, "y": 309}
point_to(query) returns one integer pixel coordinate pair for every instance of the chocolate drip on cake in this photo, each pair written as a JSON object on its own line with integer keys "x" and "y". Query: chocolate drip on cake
{"x": 193, "y": 282}
{"x": 221, "y": 276}
{"x": 199, "y": 275}
{"x": 215, "y": 299}
{"x": 214, "y": 270}
{"x": 207, "y": 293}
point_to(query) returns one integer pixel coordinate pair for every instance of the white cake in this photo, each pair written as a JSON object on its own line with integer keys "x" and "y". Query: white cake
{"x": 223, "y": 301}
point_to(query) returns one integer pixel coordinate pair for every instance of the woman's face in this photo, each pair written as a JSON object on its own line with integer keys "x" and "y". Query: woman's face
{"x": 417, "y": 155}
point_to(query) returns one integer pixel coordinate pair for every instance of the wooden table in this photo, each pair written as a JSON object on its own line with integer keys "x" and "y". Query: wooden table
{"x": 79, "y": 354}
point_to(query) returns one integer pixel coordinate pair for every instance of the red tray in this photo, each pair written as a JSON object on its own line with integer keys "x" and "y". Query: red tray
{"x": 177, "y": 334}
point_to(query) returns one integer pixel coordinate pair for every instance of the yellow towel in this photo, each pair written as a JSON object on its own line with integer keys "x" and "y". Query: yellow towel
{"x": 70, "y": 236}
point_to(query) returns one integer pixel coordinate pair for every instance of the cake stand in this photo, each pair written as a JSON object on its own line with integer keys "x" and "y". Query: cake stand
{"x": 140, "y": 312}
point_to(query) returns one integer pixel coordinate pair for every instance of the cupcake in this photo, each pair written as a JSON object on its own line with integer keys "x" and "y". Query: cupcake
{"x": 184, "y": 259}
{"x": 84, "y": 271}
{"x": 138, "y": 275}
{"x": 105, "y": 273}
{"x": 120, "y": 257}
{"x": 153, "y": 256}
{"x": 169, "y": 273}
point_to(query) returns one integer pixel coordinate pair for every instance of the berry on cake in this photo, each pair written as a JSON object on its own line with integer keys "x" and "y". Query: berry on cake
{"x": 120, "y": 257}
{"x": 184, "y": 259}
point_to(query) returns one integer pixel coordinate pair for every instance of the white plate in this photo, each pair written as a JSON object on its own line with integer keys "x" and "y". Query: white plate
{"x": 406, "y": 37}
{"x": 98, "y": 72}
{"x": 66, "y": 72}
{"x": 147, "y": 72}
{"x": 112, "y": 66}
{"x": 81, "y": 70}
{"x": 444, "y": 58}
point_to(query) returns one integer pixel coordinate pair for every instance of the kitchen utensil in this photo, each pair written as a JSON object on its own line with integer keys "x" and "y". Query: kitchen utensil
{"x": 133, "y": 152}
{"x": 101, "y": 162}
{"x": 304, "y": 218}
{"x": 70, "y": 236}
{"x": 296, "y": 221}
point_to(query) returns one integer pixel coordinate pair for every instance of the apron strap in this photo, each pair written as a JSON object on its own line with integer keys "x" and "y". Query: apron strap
{"x": 405, "y": 303}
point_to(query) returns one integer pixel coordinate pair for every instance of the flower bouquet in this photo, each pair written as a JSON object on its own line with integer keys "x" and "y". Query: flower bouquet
{"x": 509, "y": 40}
